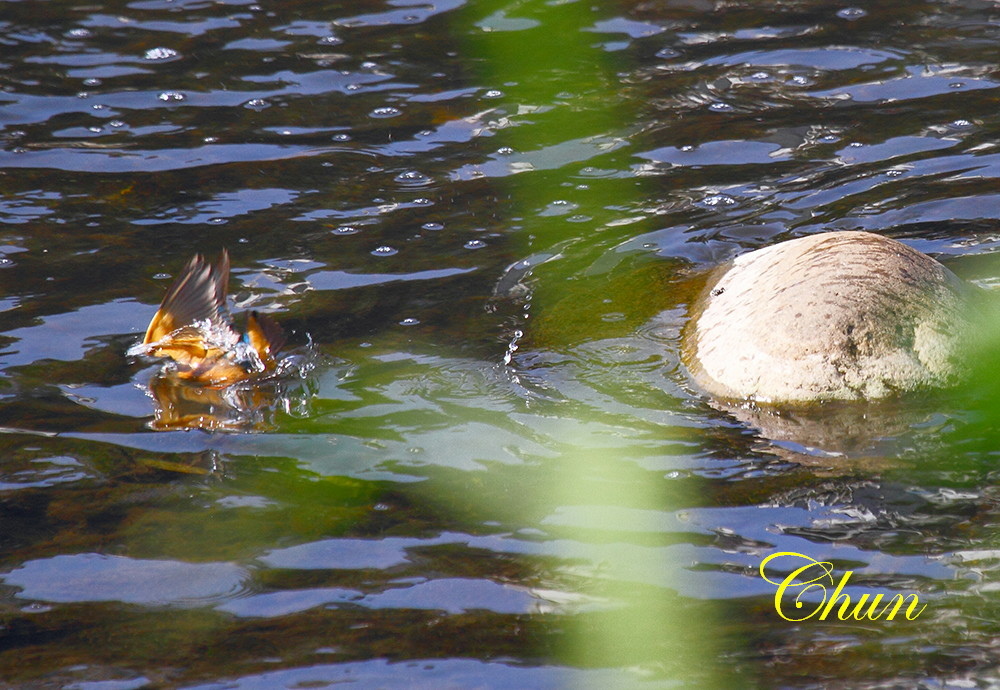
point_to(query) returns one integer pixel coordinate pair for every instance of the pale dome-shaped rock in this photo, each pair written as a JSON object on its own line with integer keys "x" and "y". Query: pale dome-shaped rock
{"x": 832, "y": 316}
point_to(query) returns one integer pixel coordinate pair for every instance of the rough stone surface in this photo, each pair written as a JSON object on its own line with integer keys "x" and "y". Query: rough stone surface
{"x": 833, "y": 316}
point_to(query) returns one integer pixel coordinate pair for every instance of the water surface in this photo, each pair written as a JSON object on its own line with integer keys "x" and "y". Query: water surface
{"x": 488, "y": 219}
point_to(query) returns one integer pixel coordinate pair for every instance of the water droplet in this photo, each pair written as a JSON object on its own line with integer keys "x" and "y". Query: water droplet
{"x": 384, "y": 250}
{"x": 385, "y": 111}
{"x": 257, "y": 104}
{"x": 667, "y": 53}
{"x": 432, "y": 226}
{"x": 413, "y": 178}
{"x": 92, "y": 81}
{"x": 409, "y": 321}
{"x": 718, "y": 200}
{"x": 493, "y": 93}
{"x": 474, "y": 244}
{"x": 720, "y": 107}
{"x": 160, "y": 54}
{"x": 851, "y": 13}
{"x": 346, "y": 230}
{"x": 171, "y": 96}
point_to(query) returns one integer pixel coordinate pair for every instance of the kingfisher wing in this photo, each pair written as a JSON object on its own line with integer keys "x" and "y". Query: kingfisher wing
{"x": 199, "y": 293}
{"x": 265, "y": 336}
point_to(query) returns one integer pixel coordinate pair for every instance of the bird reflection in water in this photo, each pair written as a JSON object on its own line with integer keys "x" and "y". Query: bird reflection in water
{"x": 217, "y": 377}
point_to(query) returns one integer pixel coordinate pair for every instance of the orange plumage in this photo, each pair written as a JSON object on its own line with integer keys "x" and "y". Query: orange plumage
{"x": 193, "y": 328}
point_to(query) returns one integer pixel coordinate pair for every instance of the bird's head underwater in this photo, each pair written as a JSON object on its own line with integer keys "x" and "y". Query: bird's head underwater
{"x": 193, "y": 328}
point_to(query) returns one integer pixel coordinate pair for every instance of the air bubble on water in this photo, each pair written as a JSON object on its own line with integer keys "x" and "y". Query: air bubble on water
{"x": 95, "y": 130}
{"x": 160, "y": 53}
{"x": 505, "y": 150}
{"x": 413, "y": 178}
{"x": 432, "y": 226}
{"x": 79, "y": 32}
{"x": 98, "y": 106}
{"x": 346, "y": 230}
{"x": 341, "y": 137}
{"x": 760, "y": 76}
{"x": 493, "y": 93}
{"x": 720, "y": 107}
{"x": 687, "y": 148}
{"x": 851, "y": 13}
{"x": 961, "y": 123}
{"x": 894, "y": 172}
{"x": 474, "y": 244}
{"x": 384, "y": 250}
{"x": 210, "y": 140}
{"x": 799, "y": 80}
{"x": 217, "y": 221}
{"x": 667, "y": 53}
{"x": 422, "y": 201}
{"x": 353, "y": 87}
{"x": 257, "y": 104}
{"x": 385, "y": 111}
{"x": 330, "y": 40}
{"x": 116, "y": 124}
{"x": 171, "y": 96}
{"x": 92, "y": 81}
{"x": 161, "y": 276}
{"x": 956, "y": 84}
{"x": 409, "y": 321}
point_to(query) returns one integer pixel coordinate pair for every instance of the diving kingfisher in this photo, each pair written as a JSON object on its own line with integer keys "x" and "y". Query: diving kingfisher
{"x": 194, "y": 329}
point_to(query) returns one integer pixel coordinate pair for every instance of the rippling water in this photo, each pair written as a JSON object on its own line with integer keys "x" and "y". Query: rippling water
{"x": 482, "y": 222}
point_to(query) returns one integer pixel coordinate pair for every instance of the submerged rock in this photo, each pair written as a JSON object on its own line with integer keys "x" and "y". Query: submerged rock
{"x": 832, "y": 316}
